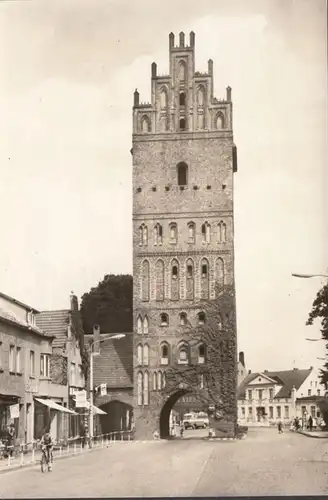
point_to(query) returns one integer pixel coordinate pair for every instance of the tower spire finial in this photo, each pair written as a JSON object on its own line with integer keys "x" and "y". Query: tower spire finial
{"x": 171, "y": 40}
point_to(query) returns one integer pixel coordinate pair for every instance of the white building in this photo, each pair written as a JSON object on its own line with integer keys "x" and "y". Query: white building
{"x": 268, "y": 397}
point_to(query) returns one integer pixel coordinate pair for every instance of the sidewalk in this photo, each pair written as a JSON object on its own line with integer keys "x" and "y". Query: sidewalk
{"x": 31, "y": 459}
{"x": 313, "y": 434}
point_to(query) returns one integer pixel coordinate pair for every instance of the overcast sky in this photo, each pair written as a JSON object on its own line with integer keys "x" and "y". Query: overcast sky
{"x": 68, "y": 72}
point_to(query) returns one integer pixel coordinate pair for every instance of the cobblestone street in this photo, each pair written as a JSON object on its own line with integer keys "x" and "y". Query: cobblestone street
{"x": 264, "y": 463}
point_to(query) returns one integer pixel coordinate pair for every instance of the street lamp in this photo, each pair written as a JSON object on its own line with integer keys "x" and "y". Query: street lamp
{"x": 114, "y": 336}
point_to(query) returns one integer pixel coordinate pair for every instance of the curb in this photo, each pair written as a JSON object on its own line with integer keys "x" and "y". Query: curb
{"x": 309, "y": 435}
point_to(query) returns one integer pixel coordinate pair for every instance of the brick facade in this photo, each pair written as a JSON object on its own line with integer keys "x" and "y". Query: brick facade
{"x": 183, "y": 164}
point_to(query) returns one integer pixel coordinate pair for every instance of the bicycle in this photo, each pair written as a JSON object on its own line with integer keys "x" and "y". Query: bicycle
{"x": 46, "y": 459}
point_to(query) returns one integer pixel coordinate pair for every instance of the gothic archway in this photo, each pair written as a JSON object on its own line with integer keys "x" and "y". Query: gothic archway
{"x": 164, "y": 418}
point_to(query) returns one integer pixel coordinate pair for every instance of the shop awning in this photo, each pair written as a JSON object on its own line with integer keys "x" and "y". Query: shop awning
{"x": 98, "y": 411}
{"x": 54, "y": 406}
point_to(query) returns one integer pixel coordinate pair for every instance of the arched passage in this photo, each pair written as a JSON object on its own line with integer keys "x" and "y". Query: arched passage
{"x": 118, "y": 416}
{"x": 164, "y": 418}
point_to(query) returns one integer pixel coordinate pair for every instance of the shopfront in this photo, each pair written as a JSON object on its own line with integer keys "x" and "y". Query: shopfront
{"x": 51, "y": 416}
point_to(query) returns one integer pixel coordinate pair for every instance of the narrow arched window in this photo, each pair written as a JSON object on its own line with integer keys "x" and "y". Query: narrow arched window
{"x": 219, "y": 121}
{"x": 159, "y": 276}
{"x": 145, "y": 280}
{"x": 182, "y": 124}
{"x": 201, "y": 95}
{"x": 146, "y": 389}
{"x": 154, "y": 381}
{"x": 164, "y": 354}
{"x": 145, "y": 357}
{"x": 163, "y": 98}
{"x": 139, "y": 354}
{"x": 159, "y": 380}
{"x": 175, "y": 282}
{"x": 182, "y": 99}
{"x": 139, "y": 325}
{"x": 204, "y": 279}
{"x": 183, "y": 355}
{"x": 164, "y": 319}
{"x": 164, "y": 380}
{"x": 191, "y": 232}
{"x": 222, "y": 232}
{"x": 190, "y": 280}
{"x": 182, "y": 70}
{"x": 139, "y": 388}
{"x": 201, "y": 354}
{"x": 143, "y": 235}
{"x": 219, "y": 273}
{"x": 173, "y": 232}
{"x": 182, "y": 169}
{"x": 145, "y": 124}
{"x": 183, "y": 319}
{"x": 158, "y": 234}
{"x": 201, "y": 318}
{"x": 206, "y": 232}
{"x": 145, "y": 325}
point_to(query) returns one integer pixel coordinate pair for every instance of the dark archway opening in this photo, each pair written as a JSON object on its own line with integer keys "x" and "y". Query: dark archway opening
{"x": 118, "y": 417}
{"x": 164, "y": 419}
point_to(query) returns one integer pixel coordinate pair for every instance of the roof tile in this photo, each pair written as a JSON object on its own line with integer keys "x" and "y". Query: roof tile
{"x": 55, "y": 323}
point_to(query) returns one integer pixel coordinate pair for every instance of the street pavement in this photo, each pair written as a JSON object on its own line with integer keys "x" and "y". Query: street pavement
{"x": 265, "y": 463}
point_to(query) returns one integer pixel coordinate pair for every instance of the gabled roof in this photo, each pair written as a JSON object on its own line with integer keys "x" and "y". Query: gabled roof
{"x": 56, "y": 324}
{"x": 267, "y": 380}
{"x": 114, "y": 364}
{"x": 18, "y": 302}
{"x": 12, "y": 319}
{"x": 287, "y": 378}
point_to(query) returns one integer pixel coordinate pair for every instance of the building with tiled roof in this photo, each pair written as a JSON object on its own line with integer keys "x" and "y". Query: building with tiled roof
{"x": 112, "y": 369}
{"x": 65, "y": 362}
{"x": 265, "y": 398}
{"x": 56, "y": 323}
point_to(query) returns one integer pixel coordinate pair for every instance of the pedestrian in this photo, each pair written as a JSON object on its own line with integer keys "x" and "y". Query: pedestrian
{"x": 280, "y": 431}
{"x": 310, "y": 423}
{"x": 83, "y": 434}
{"x": 181, "y": 430}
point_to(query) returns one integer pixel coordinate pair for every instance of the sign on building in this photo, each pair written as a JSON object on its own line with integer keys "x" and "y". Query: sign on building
{"x": 103, "y": 389}
{"x": 80, "y": 399}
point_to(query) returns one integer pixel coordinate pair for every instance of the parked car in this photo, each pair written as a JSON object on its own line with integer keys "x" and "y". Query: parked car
{"x": 195, "y": 421}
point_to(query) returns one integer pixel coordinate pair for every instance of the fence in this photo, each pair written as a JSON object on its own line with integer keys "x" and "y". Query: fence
{"x": 29, "y": 453}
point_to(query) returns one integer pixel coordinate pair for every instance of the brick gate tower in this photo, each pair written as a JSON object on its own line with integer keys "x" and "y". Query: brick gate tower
{"x": 183, "y": 164}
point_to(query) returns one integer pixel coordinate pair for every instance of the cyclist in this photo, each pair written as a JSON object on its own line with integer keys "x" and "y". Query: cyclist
{"x": 47, "y": 446}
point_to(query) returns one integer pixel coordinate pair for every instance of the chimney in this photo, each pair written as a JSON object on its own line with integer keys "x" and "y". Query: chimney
{"x": 96, "y": 337}
{"x": 229, "y": 94}
{"x": 265, "y": 371}
{"x": 249, "y": 372}
{"x": 153, "y": 70}
{"x": 136, "y": 98}
{"x": 210, "y": 66}
{"x": 242, "y": 358}
{"x": 74, "y": 302}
